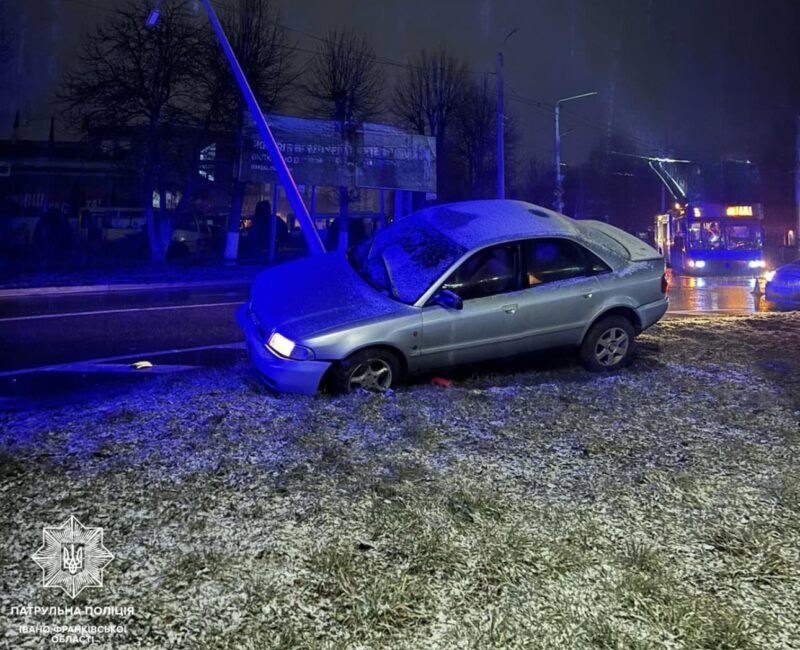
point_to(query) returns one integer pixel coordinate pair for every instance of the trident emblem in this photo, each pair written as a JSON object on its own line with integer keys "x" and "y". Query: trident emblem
{"x": 72, "y": 559}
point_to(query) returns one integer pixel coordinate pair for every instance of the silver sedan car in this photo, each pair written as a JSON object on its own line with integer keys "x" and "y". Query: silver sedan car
{"x": 451, "y": 285}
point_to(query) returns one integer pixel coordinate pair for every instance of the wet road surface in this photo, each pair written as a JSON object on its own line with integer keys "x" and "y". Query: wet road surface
{"x": 46, "y": 330}
{"x": 54, "y": 345}
{"x": 717, "y": 295}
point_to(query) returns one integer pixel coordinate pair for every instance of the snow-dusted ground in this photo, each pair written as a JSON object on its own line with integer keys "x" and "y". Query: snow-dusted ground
{"x": 655, "y": 508}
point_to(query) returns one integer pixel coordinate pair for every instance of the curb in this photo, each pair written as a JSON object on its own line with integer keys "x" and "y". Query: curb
{"x": 103, "y": 288}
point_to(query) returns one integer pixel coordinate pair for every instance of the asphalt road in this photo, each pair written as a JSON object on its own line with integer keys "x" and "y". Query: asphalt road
{"x": 46, "y": 330}
{"x": 690, "y": 295}
{"x": 58, "y": 329}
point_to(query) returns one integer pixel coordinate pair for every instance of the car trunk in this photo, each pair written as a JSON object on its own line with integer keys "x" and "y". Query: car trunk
{"x": 636, "y": 249}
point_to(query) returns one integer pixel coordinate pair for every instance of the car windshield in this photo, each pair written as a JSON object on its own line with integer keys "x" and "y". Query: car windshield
{"x": 406, "y": 258}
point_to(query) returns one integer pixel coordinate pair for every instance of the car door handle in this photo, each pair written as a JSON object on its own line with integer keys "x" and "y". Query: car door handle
{"x": 588, "y": 295}
{"x": 510, "y": 309}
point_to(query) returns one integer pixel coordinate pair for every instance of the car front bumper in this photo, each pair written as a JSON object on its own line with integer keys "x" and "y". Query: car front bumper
{"x": 652, "y": 312}
{"x": 280, "y": 374}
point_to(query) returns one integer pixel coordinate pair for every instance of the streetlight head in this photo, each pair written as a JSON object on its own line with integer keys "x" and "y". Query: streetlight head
{"x": 509, "y": 35}
{"x": 152, "y": 19}
{"x": 581, "y": 96}
{"x": 155, "y": 14}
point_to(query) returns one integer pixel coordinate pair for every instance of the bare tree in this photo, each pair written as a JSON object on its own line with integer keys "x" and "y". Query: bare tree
{"x": 475, "y": 129}
{"x": 427, "y": 96}
{"x": 344, "y": 83}
{"x": 129, "y": 75}
{"x": 6, "y": 40}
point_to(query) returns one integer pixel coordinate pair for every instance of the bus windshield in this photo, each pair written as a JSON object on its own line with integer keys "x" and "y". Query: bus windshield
{"x": 716, "y": 235}
{"x": 743, "y": 237}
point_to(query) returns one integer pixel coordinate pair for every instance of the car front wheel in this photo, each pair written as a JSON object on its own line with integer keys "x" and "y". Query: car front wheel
{"x": 608, "y": 344}
{"x": 372, "y": 369}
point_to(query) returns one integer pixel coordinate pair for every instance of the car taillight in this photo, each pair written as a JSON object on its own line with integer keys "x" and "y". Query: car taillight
{"x": 664, "y": 284}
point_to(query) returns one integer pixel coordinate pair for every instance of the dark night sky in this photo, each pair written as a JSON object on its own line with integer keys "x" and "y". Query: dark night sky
{"x": 698, "y": 78}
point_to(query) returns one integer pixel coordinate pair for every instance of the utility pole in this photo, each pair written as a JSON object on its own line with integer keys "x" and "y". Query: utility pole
{"x": 501, "y": 143}
{"x": 558, "y": 203}
{"x": 797, "y": 186}
{"x": 501, "y": 149}
{"x": 315, "y": 245}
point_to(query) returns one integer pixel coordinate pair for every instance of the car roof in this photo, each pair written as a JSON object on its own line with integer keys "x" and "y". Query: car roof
{"x": 473, "y": 224}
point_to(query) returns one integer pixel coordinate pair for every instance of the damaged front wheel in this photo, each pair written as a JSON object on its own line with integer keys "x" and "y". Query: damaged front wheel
{"x": 373, "y": 369}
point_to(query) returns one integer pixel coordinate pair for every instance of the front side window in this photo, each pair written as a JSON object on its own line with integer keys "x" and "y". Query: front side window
{"x": 712, "y": 235}
{"x": 551, "y": 260}
{"x": 695, "y": 236}
{"x": 487, "y": 273}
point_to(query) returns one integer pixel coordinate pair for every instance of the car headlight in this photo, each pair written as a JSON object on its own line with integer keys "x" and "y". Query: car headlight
{"x": 756, "y": 264}
{"x": 283, "y": 347}
{"x": 769, "y": 276}
{"x": 697, "y": 264}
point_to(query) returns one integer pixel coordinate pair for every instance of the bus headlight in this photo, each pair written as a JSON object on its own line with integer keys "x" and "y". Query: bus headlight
{"x": 697, "y": 264}
{"x": 283, "y": 347}
{"x": 756, "y": 264}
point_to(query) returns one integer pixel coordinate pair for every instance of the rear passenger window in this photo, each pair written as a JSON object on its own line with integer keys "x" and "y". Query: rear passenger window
{"x": 550, "y": 260}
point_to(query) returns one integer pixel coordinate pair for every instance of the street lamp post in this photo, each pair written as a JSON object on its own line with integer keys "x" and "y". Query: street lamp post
{"x": 558, "y": 203}
{"x": 501, "y": 153}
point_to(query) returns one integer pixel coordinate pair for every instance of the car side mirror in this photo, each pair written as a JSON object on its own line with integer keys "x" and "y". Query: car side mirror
{"x": 447, "y": 299}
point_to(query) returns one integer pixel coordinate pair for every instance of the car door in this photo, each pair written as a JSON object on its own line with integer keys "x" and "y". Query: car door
{"x": 561, "y": 292}
{"x": 486, "y": 326}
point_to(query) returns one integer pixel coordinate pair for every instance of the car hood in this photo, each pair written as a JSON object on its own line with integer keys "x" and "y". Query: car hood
{"x": 316, "y": 294}
{"x": 789, "y": 274}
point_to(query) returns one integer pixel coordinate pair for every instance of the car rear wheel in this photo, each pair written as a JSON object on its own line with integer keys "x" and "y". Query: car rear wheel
{"x": 608, "y": 344}
{"x": 373, "y": 369}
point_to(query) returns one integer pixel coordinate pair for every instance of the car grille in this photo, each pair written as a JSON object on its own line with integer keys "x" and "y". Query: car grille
{"x": 251, "y": 313}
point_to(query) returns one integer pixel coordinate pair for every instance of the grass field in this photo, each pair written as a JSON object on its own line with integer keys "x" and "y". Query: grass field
{"x": 537, "y": 508}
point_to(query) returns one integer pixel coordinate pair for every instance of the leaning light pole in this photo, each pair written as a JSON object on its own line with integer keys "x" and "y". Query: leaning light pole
{"x": 315, "y": 245}
{"x": 312, "y": 238}
{"x": 558, "y": 203}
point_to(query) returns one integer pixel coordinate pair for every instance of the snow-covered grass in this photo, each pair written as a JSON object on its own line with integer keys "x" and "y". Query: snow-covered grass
{"x": 544, "y": 508}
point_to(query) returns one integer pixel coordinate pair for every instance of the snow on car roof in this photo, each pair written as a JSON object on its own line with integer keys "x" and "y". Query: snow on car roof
{"x": 477, "y": 223}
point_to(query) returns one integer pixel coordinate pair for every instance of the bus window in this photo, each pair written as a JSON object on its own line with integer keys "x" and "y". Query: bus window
{"x": 743, "y": 237}
{"x": 712, "y": 235}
